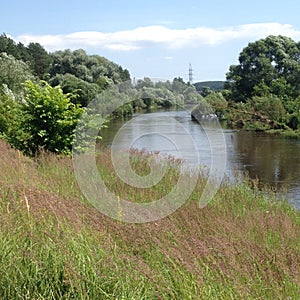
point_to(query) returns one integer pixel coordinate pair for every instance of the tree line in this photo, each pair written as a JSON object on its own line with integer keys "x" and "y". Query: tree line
{"x": 43, "y": 95}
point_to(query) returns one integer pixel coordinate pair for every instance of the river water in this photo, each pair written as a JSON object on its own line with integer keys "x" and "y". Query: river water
{"x": 271, "y": 159}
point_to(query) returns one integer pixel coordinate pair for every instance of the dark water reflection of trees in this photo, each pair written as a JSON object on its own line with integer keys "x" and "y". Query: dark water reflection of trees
{"x": 270, "y": 158}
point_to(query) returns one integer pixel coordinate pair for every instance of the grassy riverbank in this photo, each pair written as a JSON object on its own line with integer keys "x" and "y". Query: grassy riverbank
{"x": 54, "y": 245}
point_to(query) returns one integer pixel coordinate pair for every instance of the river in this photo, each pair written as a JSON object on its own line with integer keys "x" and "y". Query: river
{"x": 271, "y": 159}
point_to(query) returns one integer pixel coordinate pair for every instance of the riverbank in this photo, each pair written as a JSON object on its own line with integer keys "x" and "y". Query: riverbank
{"x": 291, "y": 134}
{"x": 55, "y": 245}
{"x": 250, "y": 120}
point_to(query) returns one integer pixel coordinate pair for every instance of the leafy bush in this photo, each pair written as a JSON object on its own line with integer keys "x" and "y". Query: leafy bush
{"x": 270, "y": 106}
{"x": 9, "y": 114}
{"x": 47, "y": 120}
{"x": 217, "y": 102}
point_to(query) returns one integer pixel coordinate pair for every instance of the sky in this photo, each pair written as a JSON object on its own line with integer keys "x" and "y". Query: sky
{"x": 156, "y": 39}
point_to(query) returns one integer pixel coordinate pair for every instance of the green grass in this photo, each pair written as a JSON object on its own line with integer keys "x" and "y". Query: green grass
{"x": 55, "y": 245}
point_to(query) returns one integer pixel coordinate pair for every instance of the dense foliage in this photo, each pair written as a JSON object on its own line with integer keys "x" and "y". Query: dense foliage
{"x": 265, "y": 85}
{"x": 88, "y": 75}
{"x": 34, "y": 55}
{"x": 46, "y": 119}
{"x": 267, "y": 65}
{"x": 13, "y": 73}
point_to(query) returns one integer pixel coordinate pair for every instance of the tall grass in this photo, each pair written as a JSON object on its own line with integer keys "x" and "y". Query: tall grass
{"x": 54, "y": 245}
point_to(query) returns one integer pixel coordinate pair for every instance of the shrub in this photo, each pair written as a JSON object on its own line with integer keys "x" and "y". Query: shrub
{"x": 47, "y": 120}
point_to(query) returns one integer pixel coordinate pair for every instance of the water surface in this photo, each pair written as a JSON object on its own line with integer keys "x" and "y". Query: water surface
{"x": 270, "y": 158}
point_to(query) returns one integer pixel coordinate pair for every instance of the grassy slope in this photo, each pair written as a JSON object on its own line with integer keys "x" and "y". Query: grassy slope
{"x": 54, "y": 245}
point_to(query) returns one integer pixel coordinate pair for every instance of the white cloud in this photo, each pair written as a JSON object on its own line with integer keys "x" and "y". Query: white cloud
{"x": 122, "y": 47}
{"x": 143, "y": 37}
{"x": 168, "y": 57}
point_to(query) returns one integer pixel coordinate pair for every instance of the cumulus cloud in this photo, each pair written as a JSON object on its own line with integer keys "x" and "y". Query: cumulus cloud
{"x": 143, "y": 37}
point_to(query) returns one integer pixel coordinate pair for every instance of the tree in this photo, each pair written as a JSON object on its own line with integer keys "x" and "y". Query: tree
{"x": 93, "y": 69}
{"x": 218, "y": 103}
{"x": 40, "y": 58}
{"x": 275, "y": 58}
{"x": 24, "y": 54}
{"x": 293, "y": 115}
{"x": 47, "y": 120}
{"x": 85, "y": 91}
{"x": 34, "y": 55}
{"x": 146, "y": 82}
{"x": 202, "y": 109}
{"x": 13, "y": 73}
{"x": 9, "y": 46}
{"x": 270, "y": 106}
{"x": 178, "y": 85}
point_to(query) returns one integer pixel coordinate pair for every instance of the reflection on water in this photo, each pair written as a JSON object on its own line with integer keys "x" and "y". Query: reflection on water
{"x": 269, "y": 158}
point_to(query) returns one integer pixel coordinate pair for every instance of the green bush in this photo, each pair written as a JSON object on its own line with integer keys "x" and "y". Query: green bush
{"x": 270, "y": 106}
{"x": 46, "y": 120}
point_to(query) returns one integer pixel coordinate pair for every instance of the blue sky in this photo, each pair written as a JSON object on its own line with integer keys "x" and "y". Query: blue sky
{"x": 157, "y": 39}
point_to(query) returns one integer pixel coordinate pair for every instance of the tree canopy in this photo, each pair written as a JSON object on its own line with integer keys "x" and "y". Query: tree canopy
{"x": 13, "y": 73}
{"x": 37, "y": 58}
{"x": 87, "y": 74}
{"x": 272, "y": 64}
{"x": 91, "y": 68}
{"x": 265, "y": 85}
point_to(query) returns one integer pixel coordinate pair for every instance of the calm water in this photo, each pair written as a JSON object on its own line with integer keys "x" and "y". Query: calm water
{"x": 269, "y": 158}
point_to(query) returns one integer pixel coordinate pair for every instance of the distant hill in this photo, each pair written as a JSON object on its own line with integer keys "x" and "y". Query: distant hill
{"x": 213, "y": 85}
